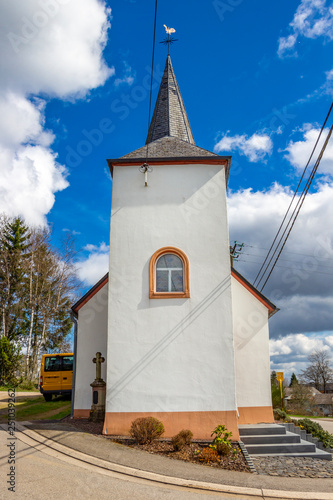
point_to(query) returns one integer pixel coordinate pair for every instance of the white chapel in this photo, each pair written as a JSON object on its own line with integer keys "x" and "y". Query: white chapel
{"x": 184, "y": 336}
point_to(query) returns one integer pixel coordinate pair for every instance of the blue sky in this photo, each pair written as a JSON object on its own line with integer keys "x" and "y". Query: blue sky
{"x": 257, "y": 82}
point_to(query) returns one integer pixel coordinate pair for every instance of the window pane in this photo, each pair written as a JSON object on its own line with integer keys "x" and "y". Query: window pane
{"x": 67, "y": 363}
{"x": 177, "y": 281}
{"x": 162, "y": 281}
{"x": 52, "y": 364}
{"x": 169, "y": 261}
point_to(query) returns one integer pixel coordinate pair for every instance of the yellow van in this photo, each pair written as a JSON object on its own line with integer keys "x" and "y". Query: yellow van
{"x": 56, "y": 374}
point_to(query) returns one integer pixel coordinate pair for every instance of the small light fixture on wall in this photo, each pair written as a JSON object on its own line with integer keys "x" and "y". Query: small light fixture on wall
{"x": 144, "y": 169}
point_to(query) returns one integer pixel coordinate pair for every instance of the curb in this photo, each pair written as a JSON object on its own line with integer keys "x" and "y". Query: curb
{"x": 247, "y": 457}
{"x": 90, "y": 462}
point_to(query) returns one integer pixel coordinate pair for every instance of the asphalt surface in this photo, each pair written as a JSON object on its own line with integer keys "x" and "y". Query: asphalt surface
{"x": 326, "y": 423}
{"x": 162, "y": 476}
{"x": 56, "y": 460}
{"x": 41, "y": 472}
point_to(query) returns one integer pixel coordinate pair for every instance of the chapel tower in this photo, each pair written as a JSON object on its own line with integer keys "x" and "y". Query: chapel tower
{"x": 185, "y": 336}
{"x": 170, "y": 332}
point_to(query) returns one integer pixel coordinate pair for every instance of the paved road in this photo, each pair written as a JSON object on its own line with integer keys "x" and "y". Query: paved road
{"x": 44, "y": 474}
{"x": 326, "y": 423}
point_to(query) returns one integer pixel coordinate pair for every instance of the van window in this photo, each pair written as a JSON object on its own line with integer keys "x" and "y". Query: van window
{"x": 67, "y": 363}
{"x": 52, "y": 364}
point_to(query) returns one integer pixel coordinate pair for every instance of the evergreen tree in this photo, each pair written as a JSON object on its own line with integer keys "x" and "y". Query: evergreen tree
{"x": 10, "y": 357}
{"x": 293, "y": 380}
{"x": 14, "y": 252}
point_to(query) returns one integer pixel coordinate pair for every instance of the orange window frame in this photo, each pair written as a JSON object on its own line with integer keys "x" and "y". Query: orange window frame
{"x": 152, "y": 275}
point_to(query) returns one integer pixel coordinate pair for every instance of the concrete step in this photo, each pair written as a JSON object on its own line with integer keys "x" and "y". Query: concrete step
{"x": 279, "y": 448}
{"x": 261, "y": 429}
{"x": 272, "y": 440}
{"x": 289, "y": 437}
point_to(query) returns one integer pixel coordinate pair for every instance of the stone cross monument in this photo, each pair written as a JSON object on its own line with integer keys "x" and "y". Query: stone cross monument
{"x": 98, "y": 391}
{"x": 98, "y": 360}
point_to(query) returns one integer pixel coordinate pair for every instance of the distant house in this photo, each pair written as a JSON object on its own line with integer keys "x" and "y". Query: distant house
{"x": 329, "y": 388}
{"x": 301, "y": 399}
{"x": 289, "y": 392}
{"x": 324, "y": 403}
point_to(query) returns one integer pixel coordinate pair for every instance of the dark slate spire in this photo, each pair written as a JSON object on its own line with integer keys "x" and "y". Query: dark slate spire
{"x": 169, "y": 118}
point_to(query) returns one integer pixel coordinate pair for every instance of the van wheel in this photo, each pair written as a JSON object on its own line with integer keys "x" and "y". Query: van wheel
{"x": 47, "y": 397}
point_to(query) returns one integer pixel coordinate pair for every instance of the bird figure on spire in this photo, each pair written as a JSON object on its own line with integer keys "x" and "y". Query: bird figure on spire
{"x": 169, "y": 39}
{"x": 169, "y": 30}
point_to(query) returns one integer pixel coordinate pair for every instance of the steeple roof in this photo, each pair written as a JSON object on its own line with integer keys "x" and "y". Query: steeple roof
{"x": 170, "y": 139}
{"x": 169, "y": 118}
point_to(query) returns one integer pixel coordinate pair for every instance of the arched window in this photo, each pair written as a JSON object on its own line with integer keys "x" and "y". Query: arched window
{"x": 169, "y": 274}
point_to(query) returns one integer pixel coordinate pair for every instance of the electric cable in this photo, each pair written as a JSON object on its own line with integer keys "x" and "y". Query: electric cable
{"x": 299, "y": 205}
{"x": 151, "y": 77}
{"x": 295, "y": 193}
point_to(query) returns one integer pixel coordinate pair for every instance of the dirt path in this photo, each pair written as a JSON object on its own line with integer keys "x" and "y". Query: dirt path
{"x": 18, "y": 395}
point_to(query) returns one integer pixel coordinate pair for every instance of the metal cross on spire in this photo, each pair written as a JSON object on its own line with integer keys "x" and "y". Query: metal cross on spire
{"x": 169, "y": 40}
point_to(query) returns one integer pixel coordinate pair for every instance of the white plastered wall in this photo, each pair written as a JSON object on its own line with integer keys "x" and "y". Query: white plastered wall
{"x": 250, "y": 318}
{"x": 91, "y": 338}
{"x": 170, "y": 354}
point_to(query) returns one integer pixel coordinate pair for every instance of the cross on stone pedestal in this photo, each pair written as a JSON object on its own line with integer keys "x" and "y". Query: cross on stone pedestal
{"x": 98, "y": 360}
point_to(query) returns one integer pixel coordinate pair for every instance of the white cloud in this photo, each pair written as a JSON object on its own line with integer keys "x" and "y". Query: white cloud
{"x": 30, "y": 177}
{"x": 57, "y": 53}
{"x": 299, "y": 152}
{"x": 128, "y": 78}
{"x": 287, "y": 44}
{"x": 297, "y": 345}
{"x": 255, "y": 148}
{"x": 49, "y": 49}
{"x": 301, "y": 285}
{"x": 290, "y": 353}
{"x": 95, "y": 266}
{"x": 312, "y": 19}
{"x": 329, "y": 340}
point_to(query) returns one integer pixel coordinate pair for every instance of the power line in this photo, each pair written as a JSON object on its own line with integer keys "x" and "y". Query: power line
{"x": 286, "y": 214}
{"x": 286, "y": 251}
{"x": 151, "y": 77}
{"x": 298, "y": 207}
{"x": 289, "y": 260}
{"x": 292, "y": 268}
{"x": 152, "y": 65}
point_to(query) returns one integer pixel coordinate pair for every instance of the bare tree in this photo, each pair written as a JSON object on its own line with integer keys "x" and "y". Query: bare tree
{"x": 301, "y": 400}
{"x": 320, "y": 371}
{"x": 52, "y": 283}
{"x": 37, "y": 287}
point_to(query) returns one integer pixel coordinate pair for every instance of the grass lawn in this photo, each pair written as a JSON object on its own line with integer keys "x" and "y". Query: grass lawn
{"x": 4, "y": 388}
{"x": 304, "y": 416}
{"x": 37, "y": 409}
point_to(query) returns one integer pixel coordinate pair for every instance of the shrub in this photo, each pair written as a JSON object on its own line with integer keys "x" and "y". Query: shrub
{"x": 281, "y": 415}
{"x": 208, "y": 455}
{"x": 27, "y": 385}
{"x": 221, "y": 442}
{"x": 316, "y": 430}
{"x": 146, "y": 430}
{"x": 182, "y": 439}
{"x": 222, "y": 449}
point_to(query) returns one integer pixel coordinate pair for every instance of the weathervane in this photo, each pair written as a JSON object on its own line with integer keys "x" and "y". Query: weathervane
{"x": 169, "y": 40}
